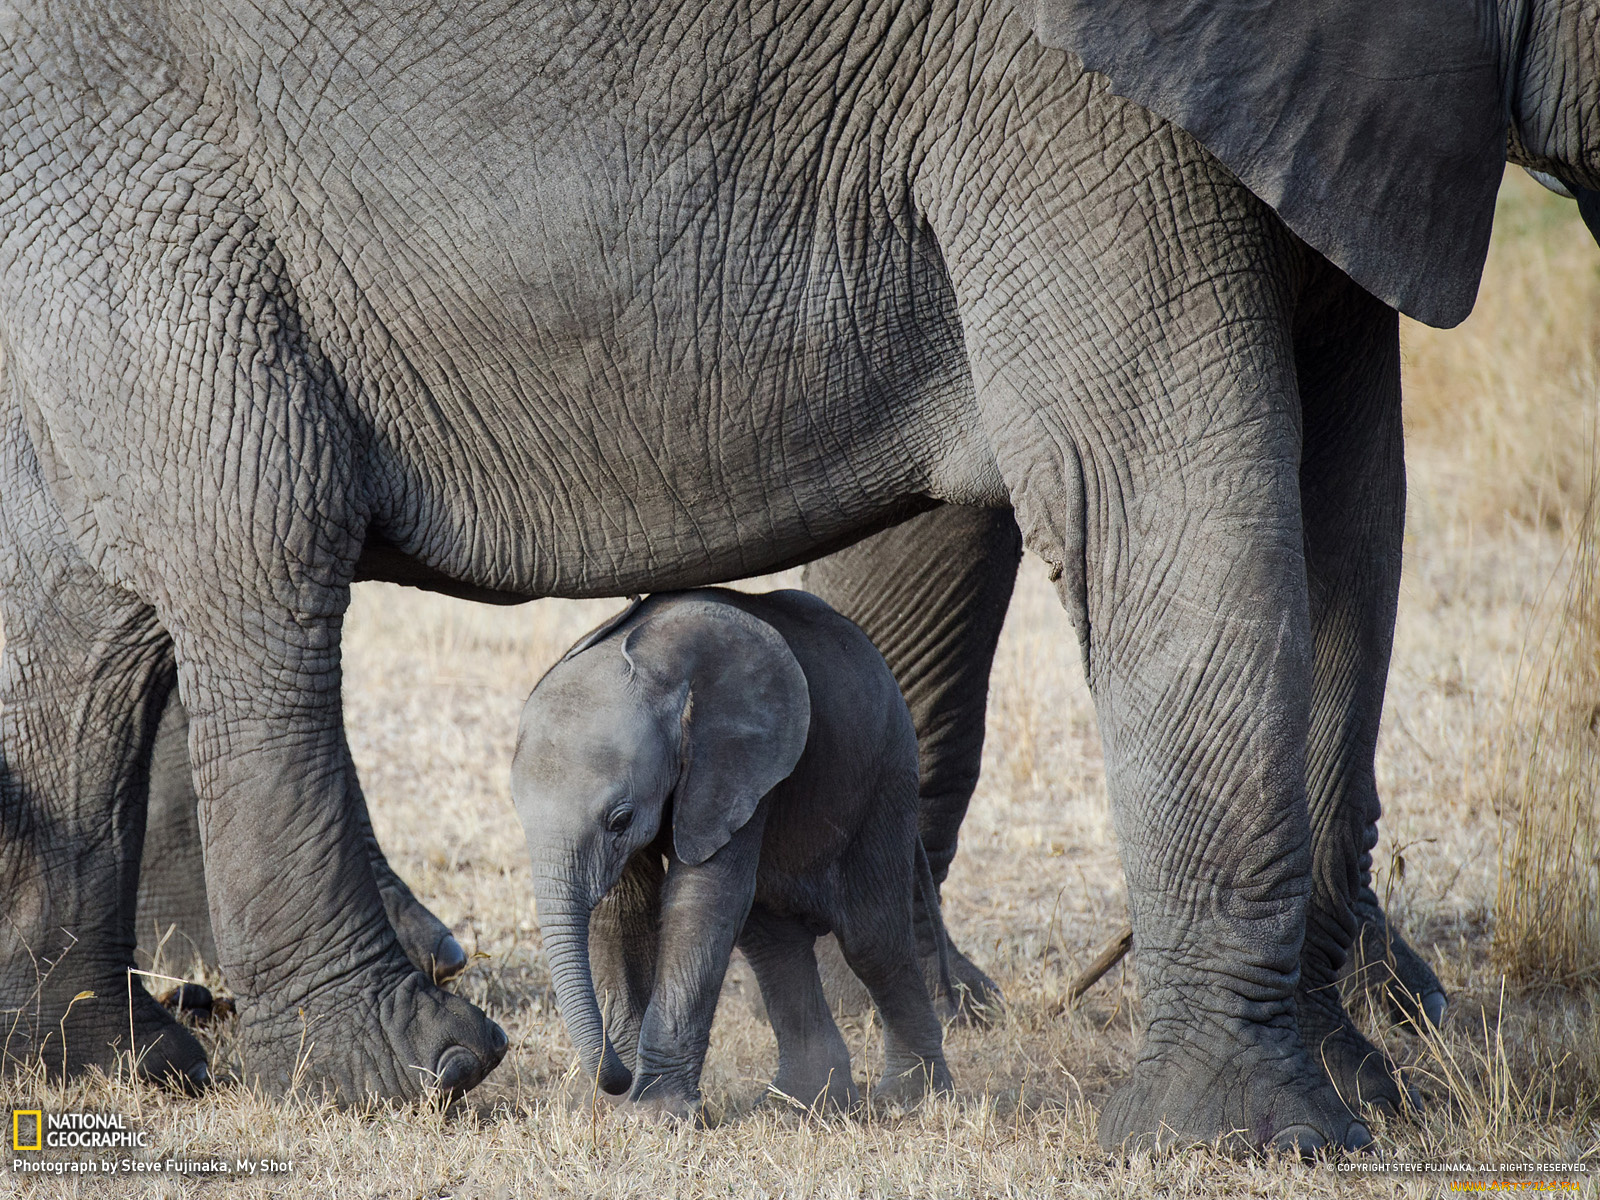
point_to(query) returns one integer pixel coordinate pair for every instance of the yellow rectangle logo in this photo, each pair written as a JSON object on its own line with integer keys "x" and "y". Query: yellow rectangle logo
{"x": 16, "y": 1128}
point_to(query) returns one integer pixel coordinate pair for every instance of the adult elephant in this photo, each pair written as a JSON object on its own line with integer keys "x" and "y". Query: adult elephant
{"x": 540, "y": 301}
{"x": 933, "y": 593}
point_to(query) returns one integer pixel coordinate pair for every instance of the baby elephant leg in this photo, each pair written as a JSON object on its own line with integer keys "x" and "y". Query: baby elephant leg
{"x": 879, "y": 944}
{"x": 624, "y": 943}
{"x": 703, "y": 909}
{"x": 813, "y": 1062}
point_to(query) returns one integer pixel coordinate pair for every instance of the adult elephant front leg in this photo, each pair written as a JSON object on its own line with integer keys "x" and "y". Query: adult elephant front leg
{"x": 327, "y": 990}
{"x": 1158, "y": 473}
{"x": 932, "y": 594}
{"x": 174, "y": 913}
{"x": 244, "y": 541}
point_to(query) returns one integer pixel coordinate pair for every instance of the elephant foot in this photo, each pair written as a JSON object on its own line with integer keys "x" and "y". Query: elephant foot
{"x": 165, "y": 1053}
{"x": 379, "y": 1035}
{"x": 907, "y": 1085}
{"x": 977, "y": 999}
{"x": 1385, "y": 967}
{"x": 833, "y": 1092}
{"x": 90, "y": 1027}
{"x": 427, "y": 941}
{"x": 1247, "y": 1089}
{"x": 659, "y": 1105}
{"x": 1363, "y": 1074}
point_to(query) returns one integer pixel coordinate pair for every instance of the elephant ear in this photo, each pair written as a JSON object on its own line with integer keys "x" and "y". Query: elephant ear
{"x": 604, "y": 629}
{"x": 1375, "y": 128}
{"x": 743, "y": 716}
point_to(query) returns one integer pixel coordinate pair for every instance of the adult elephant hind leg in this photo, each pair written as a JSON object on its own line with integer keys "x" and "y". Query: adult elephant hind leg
{"x": 932, "y": 595}
{"x": 173, "y": 926}
{"x": 84, "y": 674}
{"x": 174, "y": 913}
{"x": 1352, "y": 483}
{"x": 813, "y": 1062}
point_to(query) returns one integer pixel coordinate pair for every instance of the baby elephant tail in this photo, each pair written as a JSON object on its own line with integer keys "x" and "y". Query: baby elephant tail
{"x": 930, "y": 906}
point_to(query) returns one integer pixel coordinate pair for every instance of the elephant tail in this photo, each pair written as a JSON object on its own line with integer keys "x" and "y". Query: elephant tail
{"x": 930, "y": 906}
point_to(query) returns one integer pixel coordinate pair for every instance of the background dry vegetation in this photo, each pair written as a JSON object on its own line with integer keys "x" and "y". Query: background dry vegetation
{"x": 1482, "y": 737}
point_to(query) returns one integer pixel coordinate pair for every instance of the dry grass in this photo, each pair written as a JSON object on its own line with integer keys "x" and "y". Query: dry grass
{"x": 434, "y": 689}
{"x": 1547, "y": 927}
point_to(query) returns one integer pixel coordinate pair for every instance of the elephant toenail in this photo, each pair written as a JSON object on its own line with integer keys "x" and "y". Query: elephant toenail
{"x": 1299, "y": 1139}
{"x": 458, "y": 1071}
{"x": 1357, "y": 1138}
{"x": 449, "y": 959}
{"x": 199, "y": 1076}
{"x": 1434, "y": 1006}
{"x": 497, "y": 1043}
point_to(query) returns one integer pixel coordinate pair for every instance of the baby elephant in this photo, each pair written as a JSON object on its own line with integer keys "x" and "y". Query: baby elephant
{"x": 712, "y": 768}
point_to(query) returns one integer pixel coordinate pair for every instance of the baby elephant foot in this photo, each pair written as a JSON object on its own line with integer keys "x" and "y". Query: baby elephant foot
{"x": 910, "y": 1083}
{"x": 381, "y": 1034}
{"x": 1245, "y": 1088}
{"x": 834, "y": 1092}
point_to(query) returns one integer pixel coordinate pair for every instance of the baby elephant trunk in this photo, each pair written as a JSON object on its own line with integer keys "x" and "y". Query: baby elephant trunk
{"x": 564, "y": 921}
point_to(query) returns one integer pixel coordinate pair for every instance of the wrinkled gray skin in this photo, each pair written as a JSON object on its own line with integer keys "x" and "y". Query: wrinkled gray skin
{"x": 173, "y": 917}
{"x": 534, "y": 302}
{"x": 933, "y": 592}
{"x": 760, "y": 746}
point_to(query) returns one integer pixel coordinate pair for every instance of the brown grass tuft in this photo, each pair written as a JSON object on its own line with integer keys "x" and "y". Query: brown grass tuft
{"x": 1547, "y": 910}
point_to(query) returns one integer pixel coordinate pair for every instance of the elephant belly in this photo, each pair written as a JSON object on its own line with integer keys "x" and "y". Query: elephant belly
{"x": 608, "y": 339}
{"x": 703, "y": 432}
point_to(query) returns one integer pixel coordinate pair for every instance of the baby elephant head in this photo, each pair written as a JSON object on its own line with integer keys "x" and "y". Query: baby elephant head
{"x": 699, "y": 706}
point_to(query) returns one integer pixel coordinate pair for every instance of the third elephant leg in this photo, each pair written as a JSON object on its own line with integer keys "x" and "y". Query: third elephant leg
{"x": 173, "y": 913}
{"x": 1352, "y": 481}
{"x": 932, "y": 595}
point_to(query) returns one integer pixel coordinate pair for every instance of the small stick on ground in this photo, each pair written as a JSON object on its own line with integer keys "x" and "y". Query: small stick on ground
{"x": 1110, "y": 955}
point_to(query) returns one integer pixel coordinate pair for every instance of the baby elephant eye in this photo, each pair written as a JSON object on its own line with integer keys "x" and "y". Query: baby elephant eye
{"x": 619, "y": 821}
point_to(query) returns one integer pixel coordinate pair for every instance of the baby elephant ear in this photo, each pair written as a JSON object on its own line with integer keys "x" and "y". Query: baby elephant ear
{"x": 743, "y": 718}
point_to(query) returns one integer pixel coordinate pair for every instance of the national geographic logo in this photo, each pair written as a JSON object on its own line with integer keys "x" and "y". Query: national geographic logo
{"x": 32, "y": 1130}
{"x": 27, "y": 1129}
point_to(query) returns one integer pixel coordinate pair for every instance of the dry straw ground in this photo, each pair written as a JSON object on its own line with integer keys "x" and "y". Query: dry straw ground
{"x": 1500, "y": 419}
